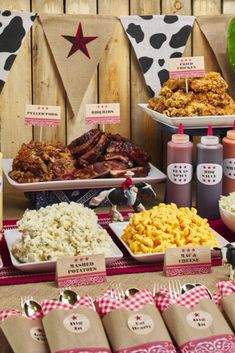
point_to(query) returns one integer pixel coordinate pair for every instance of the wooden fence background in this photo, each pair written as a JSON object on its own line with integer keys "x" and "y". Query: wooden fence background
{"x": 34, "y": 77}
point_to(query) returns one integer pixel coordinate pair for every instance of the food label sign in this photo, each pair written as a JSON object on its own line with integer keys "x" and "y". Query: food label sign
{"x": 184, "y": 67}
{"x": 187, "y": 261}
{"x": 80, "y": 270}
{"x": 106, "y": 113}
{"x": 42, "y": 115}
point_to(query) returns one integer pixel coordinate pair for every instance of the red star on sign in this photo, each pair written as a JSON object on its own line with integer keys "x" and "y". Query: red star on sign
{"x": 138, "y": 317}
{"x": 74, "y": 317}
{"x": 79, "y": 42}
{"x": 196, "y": 314}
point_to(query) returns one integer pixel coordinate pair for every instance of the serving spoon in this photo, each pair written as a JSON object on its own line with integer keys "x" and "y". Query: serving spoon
{"x": 188, "y": 286}
{"x": 68, "y": 296}
{"x": 131, "y": 291}
{"x": 30, "y": 306}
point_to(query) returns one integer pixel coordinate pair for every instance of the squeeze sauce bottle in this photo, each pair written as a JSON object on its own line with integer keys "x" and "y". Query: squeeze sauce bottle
{"x": 179, "y": 169}
{"x": 229, "y": 162}
{"x": 209, "y": 174}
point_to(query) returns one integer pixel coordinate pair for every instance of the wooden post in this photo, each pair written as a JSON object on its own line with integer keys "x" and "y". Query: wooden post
{"x": 47, "y": 86}
{"x": 16, "y": 92}
{"x": 144, "y": 130}
{"x": 114, "y": 78}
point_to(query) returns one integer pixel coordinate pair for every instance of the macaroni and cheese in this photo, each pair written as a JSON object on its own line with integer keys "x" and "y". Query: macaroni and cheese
{"x": 166, "y": 226}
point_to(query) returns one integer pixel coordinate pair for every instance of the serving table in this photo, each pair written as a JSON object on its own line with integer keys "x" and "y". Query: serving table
{"x": 14, "y": 206}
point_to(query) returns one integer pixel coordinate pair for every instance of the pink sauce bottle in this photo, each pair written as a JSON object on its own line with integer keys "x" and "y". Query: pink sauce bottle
{"x": 179, "y": 169}
{"x": 229, "y": 162}
{"x": 209, "y": 174}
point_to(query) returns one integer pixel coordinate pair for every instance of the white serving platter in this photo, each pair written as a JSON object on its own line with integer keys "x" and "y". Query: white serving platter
{"x": 11, "y": 235}
{"x": 155, "y": 176}
{"x": 196, "y": 122}
{"x": 118, "y": 229}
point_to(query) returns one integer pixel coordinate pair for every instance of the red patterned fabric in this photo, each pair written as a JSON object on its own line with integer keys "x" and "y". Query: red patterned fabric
{"x": 188, "y": 299}
{"x": 85, "y": 350}
{"x": 215, "y": 344}
{"x": 106, "y": 303}
{"x": 153, "y": 347}
{"x": 49, "y": 305}
{"x": 226, "y": 288}
{"x": 5, "y": 314}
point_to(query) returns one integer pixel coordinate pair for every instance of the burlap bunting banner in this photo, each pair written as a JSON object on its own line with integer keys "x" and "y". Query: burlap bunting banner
{"x": 14, "y": 27}
{"x": 77, "y": 43}
{"x": 156, "y": 39}
{"x": 215, "y": 30}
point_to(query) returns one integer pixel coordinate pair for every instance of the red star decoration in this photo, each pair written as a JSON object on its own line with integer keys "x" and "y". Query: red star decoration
{"x": 74, "y": 317}
{"x": 79, "y": 42}
{"x": 138, "y": 317}
{"x": 196, "y": 314}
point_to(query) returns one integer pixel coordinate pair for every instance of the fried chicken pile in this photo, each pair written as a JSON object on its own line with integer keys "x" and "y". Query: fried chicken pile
{"x": 206, "y": 96}
{"x": 42, "y": 161}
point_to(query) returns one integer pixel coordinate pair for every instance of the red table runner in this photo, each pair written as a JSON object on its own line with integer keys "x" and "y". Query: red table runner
{"x": 10, "y": 275}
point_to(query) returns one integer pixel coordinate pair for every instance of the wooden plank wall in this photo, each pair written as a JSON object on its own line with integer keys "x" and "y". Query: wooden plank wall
{"x": 34, "y": 77}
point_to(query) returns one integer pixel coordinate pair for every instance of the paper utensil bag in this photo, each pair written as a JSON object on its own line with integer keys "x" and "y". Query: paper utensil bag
{"x": 228, "y": 304}
{"x": 142, "y": 331}
{"x": 76, "y": 331}
{"x": 4, "y": 344}
{"x": 25, "y": 335}
{"x": 195, "y": 329}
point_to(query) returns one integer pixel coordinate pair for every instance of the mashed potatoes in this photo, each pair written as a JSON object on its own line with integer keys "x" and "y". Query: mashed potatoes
{"x": 60, "y": 230}
{"x": 228, "y": 202}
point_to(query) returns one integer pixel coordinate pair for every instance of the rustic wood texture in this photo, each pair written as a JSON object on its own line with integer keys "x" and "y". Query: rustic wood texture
{"x": 35, "y": 79}
{"x": 182, "y": 7}
{"x": 114, "y": 74}
{"x": 76, "y": 124}
{"x": 16, "y": 92}
{"x": 200, "y": 44}
{"x": 144, "y": 130}
{"x": 47, "y": 85}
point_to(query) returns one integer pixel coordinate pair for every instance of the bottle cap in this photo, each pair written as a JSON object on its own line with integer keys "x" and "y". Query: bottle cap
{"x": 231, "y": 133}
{"x": 209, "y": 139}
{"x": 180, "y": 137}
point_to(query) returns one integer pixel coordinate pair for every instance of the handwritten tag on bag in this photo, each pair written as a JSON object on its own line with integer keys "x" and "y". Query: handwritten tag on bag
{"x": 187, "y": 261}
{"x": 80, "y": 270}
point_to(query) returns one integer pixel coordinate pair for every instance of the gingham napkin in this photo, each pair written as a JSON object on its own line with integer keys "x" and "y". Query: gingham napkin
{"x": 226, "y": 288}
{"x": 5, "y": 314}
{"x": 188, "y": 299}
{"x": 49, "y": 305}
{"x": 107, "y": 303}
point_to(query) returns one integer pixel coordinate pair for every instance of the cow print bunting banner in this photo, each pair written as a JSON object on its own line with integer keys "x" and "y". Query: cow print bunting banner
{"x": 14, "y": 27}
{"x": 155, "y": 39}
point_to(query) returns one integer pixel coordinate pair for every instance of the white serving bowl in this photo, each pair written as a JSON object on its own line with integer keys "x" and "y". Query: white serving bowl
{"x": 228, "y": 218}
